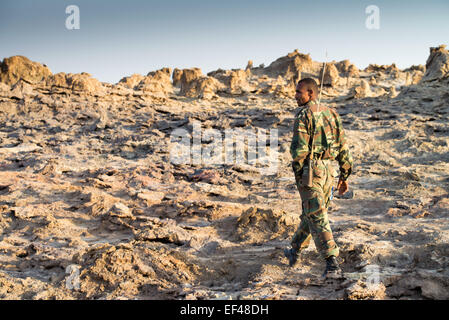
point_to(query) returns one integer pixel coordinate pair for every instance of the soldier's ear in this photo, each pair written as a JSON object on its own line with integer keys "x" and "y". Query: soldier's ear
{"x": 310, "y": 92}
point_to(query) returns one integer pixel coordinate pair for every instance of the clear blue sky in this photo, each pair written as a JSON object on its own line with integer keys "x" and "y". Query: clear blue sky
{"x": 118, "y": 38}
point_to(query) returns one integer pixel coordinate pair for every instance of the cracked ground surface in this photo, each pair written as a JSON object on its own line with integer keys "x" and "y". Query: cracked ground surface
{"x": 86, "y": 184}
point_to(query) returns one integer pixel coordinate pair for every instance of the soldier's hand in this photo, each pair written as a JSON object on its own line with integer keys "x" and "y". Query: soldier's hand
{"x": 342, "y": 187}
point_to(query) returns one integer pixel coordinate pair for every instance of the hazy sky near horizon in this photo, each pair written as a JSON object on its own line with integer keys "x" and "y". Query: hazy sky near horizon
{"x": 119, "y": 38}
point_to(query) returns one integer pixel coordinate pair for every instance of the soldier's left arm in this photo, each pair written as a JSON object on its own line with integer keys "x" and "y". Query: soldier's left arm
{"x": 344, "y": 156}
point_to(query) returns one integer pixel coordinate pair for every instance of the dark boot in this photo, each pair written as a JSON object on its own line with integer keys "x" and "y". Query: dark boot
{"x": 292, "y": 256}
{"x": 332, "y": 267}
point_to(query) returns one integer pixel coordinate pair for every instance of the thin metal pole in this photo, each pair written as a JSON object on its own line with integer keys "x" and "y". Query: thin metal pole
{"x": 322, "y": 80}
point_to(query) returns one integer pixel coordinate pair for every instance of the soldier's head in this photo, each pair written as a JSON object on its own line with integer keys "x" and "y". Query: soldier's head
{"x": 306, "y": 90}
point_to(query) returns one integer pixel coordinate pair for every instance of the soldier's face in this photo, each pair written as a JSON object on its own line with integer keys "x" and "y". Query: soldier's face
{"x": 302, "y": 95}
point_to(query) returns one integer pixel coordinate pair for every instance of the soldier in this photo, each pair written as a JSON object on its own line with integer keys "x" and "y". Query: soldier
{"x": 318, "y": 138}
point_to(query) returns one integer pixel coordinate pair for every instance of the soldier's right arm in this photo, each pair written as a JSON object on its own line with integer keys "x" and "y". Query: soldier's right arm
{"x": 299, "y": 148}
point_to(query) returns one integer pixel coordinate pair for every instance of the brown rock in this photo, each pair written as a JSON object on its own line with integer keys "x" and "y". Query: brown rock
{"x": 19, "y": 67}
{"x": 163, "y": 231}
{"x": 361, "y": 291}
{"x": 151, "y": 197}
{"x": 199, "y": 86}
{"x": 277, "y": 87}
{"x": 207, "y": 87}
{"x": 331, "y": 76}
{"x": 285, "y": 90}
{"x": 393, "y": 93}
{"x": 437, "y": 66}
{"x": 343, "y": 66}
{"x": 434, "y": 290}
{"x": 99, "y": 203}
{"x": 120, "y": 210}
{"x": 234, "y": 81}
{"x": 347, "y": 69}
{"x": 5, "y": 90}
{"x": 58, "y": 80}
{"x": 257, "y": 223}
{"x": 290, "y": 66}
{"x": 23, "y": 147}
{"x": 416, "y": 77}
{"x": 353, "y": 71}
{"x": 131, "y": 81}
{"x": 189, "y": 82}
{"x": 157, "y": 83}
{"x": 84, "y": 83}
{"x": 382, "y": 68}
{"x": 20, "y": 89}
{"x": 206, "y": 175}
{"x": 195, "y": 85}
{"x": 177, "y": 74}
{"x": 362, "y": 91}
{"x": 238, "y": 82}
{"x": 418, "y": 67}
{"x": 78, "y": 83}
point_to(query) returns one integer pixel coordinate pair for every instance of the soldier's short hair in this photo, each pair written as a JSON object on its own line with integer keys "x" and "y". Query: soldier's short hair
{"x": 310, "y": 84}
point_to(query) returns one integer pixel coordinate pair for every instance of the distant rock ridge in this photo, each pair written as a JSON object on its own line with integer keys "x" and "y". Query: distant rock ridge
{"x": 277, "y": 79}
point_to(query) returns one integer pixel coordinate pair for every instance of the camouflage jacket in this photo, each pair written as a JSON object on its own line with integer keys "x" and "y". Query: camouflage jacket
{"x": 329, "y": 140}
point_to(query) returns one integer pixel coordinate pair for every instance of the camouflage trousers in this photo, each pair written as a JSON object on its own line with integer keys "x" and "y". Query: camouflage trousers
{"x": 315, "y": 201}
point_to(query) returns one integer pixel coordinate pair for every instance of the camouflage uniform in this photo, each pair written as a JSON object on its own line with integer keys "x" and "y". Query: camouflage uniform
{"x": 329, "y": 144}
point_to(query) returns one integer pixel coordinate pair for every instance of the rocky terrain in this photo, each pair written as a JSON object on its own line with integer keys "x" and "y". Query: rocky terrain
{"x": 92, "y": 207}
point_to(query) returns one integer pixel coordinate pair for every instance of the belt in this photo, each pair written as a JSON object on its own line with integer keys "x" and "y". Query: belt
{"x": 323, "y": 156}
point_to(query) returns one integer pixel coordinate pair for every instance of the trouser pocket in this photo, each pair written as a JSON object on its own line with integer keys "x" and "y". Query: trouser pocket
{"x": 318, "y": 174}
